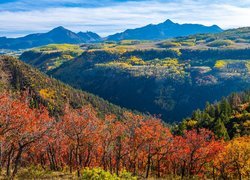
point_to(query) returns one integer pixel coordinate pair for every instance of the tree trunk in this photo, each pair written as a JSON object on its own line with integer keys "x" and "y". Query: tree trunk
{"x": 88, "y": 159}
{"x": 77, "y": 157}
{"x": 213, "y": 173}
{"x": 70, "y": 160}
{"x": 17, "y": 160}
{"x": 238, "y": 171}
{"x": 183, "y": 170}
{"x": 8, "y": 162}
{"x": 1, "y": 158}
{"x": 42, "y": 161}
{"x": 148, "y": 163}
{"x": 158, "y": 168}
{"x": 118, "y": 155}
{"x": 110, "y": 163}
{"x": 104, "y": 164}
{"x": 52, "y": 164}
{"x": 53, "y": 155}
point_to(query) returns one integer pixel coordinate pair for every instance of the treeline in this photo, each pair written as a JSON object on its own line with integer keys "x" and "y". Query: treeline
{"x": 227, "y": 118}
{"x": 215, "y": 54}
{"x": 90, "y": 58}
{"x": 141, "y": 145}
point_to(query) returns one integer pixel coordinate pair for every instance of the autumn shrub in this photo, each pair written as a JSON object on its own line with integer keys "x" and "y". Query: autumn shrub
{"x": 33, "y": 172}
{"x": 220, "y": 64}
{"x": 125, "y": 175}
{"x": 135, "y": 61}
{"x": 97, "y": 174}
{"x": 100, "y": 174}
{"x": 169, "y": 44}
{"x": 234, "y": 161}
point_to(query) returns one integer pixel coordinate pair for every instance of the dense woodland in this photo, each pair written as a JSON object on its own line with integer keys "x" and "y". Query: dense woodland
{"x": 228, "y": 118}
{"x": 129, "y": 147}
{"x": 143, "y": 146}
{"x": 167, "y": 82}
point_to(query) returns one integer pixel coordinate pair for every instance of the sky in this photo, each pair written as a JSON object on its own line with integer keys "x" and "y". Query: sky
{"x": 105, "y": 17}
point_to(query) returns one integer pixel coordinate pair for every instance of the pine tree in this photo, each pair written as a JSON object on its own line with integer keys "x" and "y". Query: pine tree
{"x": 225, "y": 107}
{"x": 210, "y": 109}
{"x": 224, "y": 118}
{"x": 197, "y": 115}
{"x": 220, "y": 130}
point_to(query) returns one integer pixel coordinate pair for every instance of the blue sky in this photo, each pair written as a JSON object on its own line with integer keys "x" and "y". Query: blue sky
{"x": 21, "y": 17}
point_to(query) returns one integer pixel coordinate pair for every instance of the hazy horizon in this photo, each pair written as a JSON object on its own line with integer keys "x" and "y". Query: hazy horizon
{"x": 86, "y": 31}
{"x": 21, "y": 17}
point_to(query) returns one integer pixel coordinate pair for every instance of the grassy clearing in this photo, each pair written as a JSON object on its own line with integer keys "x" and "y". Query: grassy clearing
{"x": 221, "y": 43}
{"x": 60, "y": 47}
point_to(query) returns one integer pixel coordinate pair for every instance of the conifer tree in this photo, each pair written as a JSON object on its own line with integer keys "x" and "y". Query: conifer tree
{"x": 220, "y": 130}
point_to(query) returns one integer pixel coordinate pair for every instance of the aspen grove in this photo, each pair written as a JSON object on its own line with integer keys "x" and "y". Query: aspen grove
{"x": 142, "y": 145}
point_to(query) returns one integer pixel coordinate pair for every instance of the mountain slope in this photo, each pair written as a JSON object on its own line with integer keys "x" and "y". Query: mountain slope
{"x": 167, "y": 29}
{"x": 157, "y": 81}
{"x": 227, "y": 118}
{"x": 228, "y": 39}
{"x": 51, "y": 56}
{"x": 17, "y": 76}
{"x": 168, "y": 81}
{"x": 89, "y": 36}
{"x": 57, "y": 35}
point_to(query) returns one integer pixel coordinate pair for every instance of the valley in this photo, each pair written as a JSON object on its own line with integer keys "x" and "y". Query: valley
{"x": 160, "y": 101}
{"x": 168, "y": 78}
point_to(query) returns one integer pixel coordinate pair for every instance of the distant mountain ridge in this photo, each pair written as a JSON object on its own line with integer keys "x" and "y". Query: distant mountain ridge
{"x": 165, "y": 30}
{"x": 57, "y": 35}
{"x": 60, "y": 35}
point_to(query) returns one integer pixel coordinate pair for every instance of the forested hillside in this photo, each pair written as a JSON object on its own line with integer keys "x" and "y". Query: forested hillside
{"x": 50, "y": 92}
{"x": 164, "y": 82}
{"x": 144, "y": 99}
{"x": 36, "y": 144}
{"x": 170, "y": 78}
{"x": 51, "y": 56}
{"x": 227, "y": 118}
{"x": 228, "y": 39}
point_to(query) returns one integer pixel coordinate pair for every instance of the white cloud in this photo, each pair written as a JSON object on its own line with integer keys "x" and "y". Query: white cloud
{"x": 114, "y": 18}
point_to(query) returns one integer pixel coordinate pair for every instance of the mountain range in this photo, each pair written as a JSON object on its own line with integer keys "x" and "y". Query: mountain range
{"x": 60, "y": 35}
{"x": 57, "y": 35}
{"x": 165, "y": 30}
